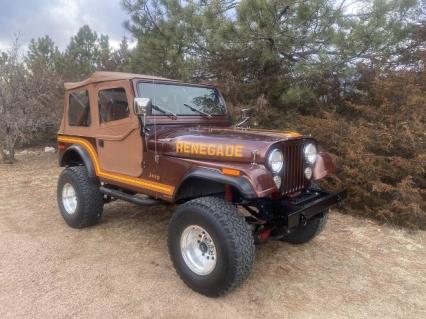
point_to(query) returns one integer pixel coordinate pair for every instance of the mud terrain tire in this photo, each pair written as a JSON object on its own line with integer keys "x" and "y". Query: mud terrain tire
{"x": 88, "y": 207}
{"x": 231, "y": 237}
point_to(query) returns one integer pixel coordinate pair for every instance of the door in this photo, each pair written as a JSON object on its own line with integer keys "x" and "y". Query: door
{"x": 118, "y": 137}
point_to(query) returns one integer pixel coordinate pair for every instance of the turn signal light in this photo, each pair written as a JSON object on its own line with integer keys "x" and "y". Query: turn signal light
{"x": 230, "y": 172}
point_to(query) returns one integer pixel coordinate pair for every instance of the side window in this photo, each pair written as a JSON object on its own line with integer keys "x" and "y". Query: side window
{"x": 79, "y": 109}
{"x": 113, "y": 105}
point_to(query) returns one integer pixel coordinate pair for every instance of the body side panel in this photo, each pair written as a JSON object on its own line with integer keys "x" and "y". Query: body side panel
{"x": 139, "y": 184}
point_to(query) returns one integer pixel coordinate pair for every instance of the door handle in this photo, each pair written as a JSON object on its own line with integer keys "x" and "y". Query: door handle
{"x": 101, "y": 143}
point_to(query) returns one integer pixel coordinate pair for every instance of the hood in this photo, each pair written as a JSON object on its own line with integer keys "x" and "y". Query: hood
{"x": 216, "y": 143}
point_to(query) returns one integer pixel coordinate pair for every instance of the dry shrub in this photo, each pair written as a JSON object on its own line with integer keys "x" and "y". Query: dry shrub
{"x": 380, "y": 149}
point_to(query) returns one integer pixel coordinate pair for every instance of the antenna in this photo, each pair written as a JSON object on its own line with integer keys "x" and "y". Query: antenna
{"x": 156, "y": 156}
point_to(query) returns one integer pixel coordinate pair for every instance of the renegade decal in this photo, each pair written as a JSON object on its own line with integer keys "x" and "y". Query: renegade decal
{"x": 209, "y": 149}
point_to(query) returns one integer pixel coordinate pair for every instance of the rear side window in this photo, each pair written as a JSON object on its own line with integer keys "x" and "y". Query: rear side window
{"x": 79, "y": 109}
{"x": 113, "y": 105}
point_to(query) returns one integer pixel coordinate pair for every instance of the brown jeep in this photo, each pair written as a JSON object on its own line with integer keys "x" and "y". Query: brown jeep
{"x": 150, "y": 141}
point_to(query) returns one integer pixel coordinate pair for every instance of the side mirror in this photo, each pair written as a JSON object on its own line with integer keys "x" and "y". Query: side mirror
{"x": 248, "y": 112}
{"x": 142, "y": 105}
{"x": 245, "y": 117}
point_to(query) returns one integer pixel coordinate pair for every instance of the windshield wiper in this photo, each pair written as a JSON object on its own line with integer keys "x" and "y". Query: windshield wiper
{"x": 197, "y": 110}
{"x": 164, "y": 111}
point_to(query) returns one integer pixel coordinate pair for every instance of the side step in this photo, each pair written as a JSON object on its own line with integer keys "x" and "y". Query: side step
{"x": 129, "y": 198}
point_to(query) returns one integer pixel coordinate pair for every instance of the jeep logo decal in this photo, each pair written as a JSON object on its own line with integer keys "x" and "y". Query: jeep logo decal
{"x": 209, "y": 149}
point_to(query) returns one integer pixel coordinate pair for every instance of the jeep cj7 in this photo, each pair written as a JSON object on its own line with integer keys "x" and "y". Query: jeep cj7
{"x": 151, "y": 140}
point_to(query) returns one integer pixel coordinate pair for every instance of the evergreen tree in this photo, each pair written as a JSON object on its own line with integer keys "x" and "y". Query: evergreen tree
{"x": 83, "y": 54}
{"x": 105, "y": 54}
{"x": 121, "y": 58}
{"x": 44, "y": 55}
{"x": 282, "y": 49}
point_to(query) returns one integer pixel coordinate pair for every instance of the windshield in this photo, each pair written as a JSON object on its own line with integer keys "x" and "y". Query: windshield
{"x": 182, "y": 99}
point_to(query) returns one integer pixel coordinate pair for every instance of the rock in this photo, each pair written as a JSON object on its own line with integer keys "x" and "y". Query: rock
{"x": 49, "y": 149}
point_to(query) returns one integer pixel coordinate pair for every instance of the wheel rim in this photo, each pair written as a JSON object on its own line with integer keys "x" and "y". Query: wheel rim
{"x": 69, "y": 199}
{"x": 198, "y": 250}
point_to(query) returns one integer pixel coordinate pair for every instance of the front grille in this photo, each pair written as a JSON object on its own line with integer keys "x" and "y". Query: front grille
{"x": 293, "y": 178}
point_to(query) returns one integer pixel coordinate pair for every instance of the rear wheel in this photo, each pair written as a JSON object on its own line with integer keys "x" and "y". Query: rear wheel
{"x": 79, "y": 199}
{"x": 211, "y": 245}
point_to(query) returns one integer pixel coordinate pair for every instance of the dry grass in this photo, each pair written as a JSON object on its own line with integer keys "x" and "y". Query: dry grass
{"x": 379, "y": 145}
{"x": 120, "y": 268}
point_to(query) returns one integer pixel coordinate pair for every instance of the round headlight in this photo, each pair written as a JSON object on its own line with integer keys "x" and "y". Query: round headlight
{"x": 310, "y": 153}
{"x": 276, "y": 160}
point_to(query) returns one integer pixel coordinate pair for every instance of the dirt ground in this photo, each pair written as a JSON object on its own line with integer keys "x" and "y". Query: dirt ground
{"x": 121, "y": 269}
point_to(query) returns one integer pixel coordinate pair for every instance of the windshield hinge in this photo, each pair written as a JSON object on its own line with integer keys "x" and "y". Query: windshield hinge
{"x": 254, "y": 152}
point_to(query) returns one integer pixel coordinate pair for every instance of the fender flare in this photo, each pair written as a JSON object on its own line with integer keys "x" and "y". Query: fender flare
{"x": 85, "y": 157}
{"x": 240, "y": 183}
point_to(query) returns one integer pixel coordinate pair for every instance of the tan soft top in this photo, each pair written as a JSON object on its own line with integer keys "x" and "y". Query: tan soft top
{"x": 109, "y": 76}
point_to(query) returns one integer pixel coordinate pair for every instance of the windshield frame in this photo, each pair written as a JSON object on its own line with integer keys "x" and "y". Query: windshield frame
{"x": 189, "y": 118}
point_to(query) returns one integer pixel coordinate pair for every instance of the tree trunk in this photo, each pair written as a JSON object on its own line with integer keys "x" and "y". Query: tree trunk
{"x": 2, "y": 154}
{"x": 11, "y": 156}
{"x": 8, "y": 153}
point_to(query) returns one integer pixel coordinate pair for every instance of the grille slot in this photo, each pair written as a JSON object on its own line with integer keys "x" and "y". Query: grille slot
{"x": 293, "y": 178}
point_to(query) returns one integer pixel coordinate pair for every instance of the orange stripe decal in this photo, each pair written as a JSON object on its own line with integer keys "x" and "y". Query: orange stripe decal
{"x": 139, "y": 182}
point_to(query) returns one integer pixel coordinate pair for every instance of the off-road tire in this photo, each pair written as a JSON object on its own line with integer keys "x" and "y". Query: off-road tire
{"x": 303, "y": 234}
{"x": 89, "y": 198}
{"x": 232, "y": 238}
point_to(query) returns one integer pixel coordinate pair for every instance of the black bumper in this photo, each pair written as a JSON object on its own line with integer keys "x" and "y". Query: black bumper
{"x": 312, "y": 202}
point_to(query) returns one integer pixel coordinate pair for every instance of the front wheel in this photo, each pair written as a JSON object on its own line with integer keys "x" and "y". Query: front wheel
{"x": 211, "y": 245}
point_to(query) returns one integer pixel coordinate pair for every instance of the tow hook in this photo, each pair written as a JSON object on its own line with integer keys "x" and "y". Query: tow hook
{"x": 262, "y": 236}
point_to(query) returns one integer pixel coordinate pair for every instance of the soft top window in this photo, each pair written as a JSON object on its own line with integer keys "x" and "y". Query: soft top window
{"x": 113, "y": 105}
{"x": 79, "y": 109}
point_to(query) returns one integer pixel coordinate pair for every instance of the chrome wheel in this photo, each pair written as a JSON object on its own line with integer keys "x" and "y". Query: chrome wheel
{"x": 198, "y": 250}
{"x": 69, "y": 198}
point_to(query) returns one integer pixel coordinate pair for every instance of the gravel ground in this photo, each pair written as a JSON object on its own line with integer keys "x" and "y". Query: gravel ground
{"x": 120, "y": 268}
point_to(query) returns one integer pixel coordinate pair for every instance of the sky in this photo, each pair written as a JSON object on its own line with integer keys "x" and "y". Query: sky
{"x": 60, "y": 19}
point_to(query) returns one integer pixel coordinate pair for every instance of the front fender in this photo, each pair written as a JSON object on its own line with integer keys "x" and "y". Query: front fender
{"x": 207, "y": 174}
{"x": 324, "y": 166}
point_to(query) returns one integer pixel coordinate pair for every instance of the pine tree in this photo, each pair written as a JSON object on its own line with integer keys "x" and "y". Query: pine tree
{"x": 282, "y": 49}
{"x": 83, "y": 55}
{"x": 122, "y": 57}
{"x": 44, "y": 55}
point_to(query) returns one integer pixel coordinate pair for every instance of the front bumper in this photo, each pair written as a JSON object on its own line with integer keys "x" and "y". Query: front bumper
{"x": 298, "y": 210}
